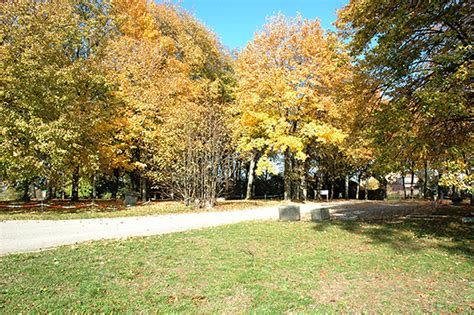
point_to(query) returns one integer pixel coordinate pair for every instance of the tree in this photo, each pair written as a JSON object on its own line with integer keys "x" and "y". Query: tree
{"x": 418, "y": 55}
{"x": 173, "y": 77}
{"x": 193, "y": 161}
{"x": 287, "y": 80}
{"x": 52, "y": 87}
{"x": 143, "y": 61}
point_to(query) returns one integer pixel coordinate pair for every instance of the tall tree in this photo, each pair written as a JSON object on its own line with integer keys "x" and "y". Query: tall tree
{"x": 287, "y": 78}
{"x": 419, "y": 56}
{"x": 193, "y": 162}
{"x": 173, "y": 76}
{"x": 53, "y": 86}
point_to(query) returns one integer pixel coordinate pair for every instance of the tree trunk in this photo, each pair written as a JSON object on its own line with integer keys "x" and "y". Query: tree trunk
{"x": 51, "y": 193}
{"x": 115, "y": 183}
{"x": 332, "y": 190}
{"x": 468, "y": 172}
{"x": 75, "y": 185}
{"x": 304, "y": 186}
{"x": 358, "y": 186}
{"x": 94, "y": 188}
{"x": 249, "y": 195}
{"x": 143, "y": 188}
{"x": 425, "y": 184}
{"x": 366, "y": 189}
{"x": 26, "y": 191}
{"x": 404, "y": 187}
{"x": 317, "y": 193}
{"x": 438, "y": 188}
{"x": 135, "y": 175}
{"x": 294, "y": 187}
{"x": 135, "y": 180}
{"x": 286, "y": 175}
{"x": 346, "y": 188}
{"x": 412, "y": 183}
{"x": 472, "y": 193}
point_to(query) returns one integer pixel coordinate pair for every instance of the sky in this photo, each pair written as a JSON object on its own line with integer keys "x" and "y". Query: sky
{"x": 235, "y": 21}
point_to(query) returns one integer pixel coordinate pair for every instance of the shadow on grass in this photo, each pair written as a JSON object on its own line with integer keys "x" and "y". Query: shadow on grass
{"x": 441, "y": 228}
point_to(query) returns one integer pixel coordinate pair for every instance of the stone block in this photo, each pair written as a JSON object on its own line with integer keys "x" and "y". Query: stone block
{"x": 289, "y": 213}
{"x": 320, "y": 214}
{"x": 130, "y": 199}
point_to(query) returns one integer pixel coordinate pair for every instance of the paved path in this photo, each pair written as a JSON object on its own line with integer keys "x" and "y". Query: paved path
{"x": 32, "y": 235}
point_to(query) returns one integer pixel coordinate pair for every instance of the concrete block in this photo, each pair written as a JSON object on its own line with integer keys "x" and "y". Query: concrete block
{"x": 130, "y": 199}
{"x": 289, "y": 213}
{"x": 319, "y": 214}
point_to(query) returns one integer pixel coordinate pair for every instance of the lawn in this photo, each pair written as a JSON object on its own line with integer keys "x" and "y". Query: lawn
{"x": 264, "y": 267}
{"x": 116, "y": 209}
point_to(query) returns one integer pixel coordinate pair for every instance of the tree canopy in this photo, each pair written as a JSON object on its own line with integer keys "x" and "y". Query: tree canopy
{"x": 133, "y": 95}
{"x": 419, "y": 56}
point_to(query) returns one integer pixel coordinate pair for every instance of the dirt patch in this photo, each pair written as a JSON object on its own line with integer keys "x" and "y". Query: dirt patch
{"x": 332, "y": 290}
{"x": 376, "y": 291}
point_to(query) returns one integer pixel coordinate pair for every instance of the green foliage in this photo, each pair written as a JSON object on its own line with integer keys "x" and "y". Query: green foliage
{"x": 418, "y": 55}
{"x": 85, "y": 188}
{"x": 57, "y": 107}
{"x": 458, "y": 174}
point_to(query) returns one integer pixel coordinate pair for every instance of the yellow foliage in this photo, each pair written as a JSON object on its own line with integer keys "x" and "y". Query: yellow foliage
{"x": 264, "y": 164}
{"x": 135, "y": 19}
{"x": 289, "y": 84}
{"x": 457, "y": 174}
{"x": 324, "y": 133}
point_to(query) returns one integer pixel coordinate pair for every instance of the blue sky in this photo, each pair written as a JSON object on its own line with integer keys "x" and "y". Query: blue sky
{"x": 235, "y": 21}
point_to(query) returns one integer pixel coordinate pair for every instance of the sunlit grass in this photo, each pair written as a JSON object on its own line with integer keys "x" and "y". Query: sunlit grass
{"x": 263, "y": 267}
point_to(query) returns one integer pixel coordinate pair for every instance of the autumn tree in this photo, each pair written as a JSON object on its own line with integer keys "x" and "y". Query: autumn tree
{"x": 418, "y": 55}
{"x": 173, "y": 76}
{"x": 287, "y": 78}
{"x": 142, "y": 59}
{"x": 193, "y": 160}
{"x": 56, "y": 106}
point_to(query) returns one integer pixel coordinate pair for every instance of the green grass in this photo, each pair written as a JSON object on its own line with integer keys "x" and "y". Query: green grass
{"x": 116, "y": 210}
{"x": 263, "y": 267}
